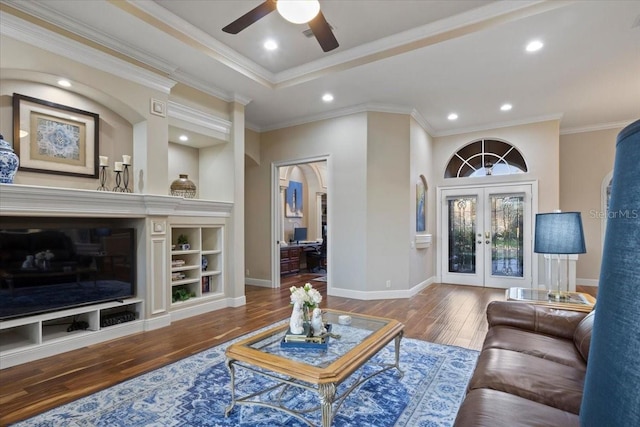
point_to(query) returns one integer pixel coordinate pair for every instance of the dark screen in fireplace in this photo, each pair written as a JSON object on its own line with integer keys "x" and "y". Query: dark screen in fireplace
{"x": 50, "y": 269}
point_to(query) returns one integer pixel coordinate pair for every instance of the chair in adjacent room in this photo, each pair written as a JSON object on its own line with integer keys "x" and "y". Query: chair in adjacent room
{"x": 318, "y": 259}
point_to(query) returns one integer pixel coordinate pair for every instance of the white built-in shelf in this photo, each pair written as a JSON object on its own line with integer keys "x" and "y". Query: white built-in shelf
{"x": 32, "y": 337}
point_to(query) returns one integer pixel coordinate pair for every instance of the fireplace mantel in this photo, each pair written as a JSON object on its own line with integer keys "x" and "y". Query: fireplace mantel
{"x": 28, "y": 200}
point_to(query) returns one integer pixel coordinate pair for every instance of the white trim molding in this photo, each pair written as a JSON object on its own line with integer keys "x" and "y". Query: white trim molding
{"x": 24, "y": 31}
{"x": 216, "y": 124}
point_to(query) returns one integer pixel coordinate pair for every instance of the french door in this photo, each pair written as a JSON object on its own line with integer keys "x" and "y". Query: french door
{"x": 487, "y": 236}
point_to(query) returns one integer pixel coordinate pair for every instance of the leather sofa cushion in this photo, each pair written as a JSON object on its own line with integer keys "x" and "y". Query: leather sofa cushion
{"x": 535, "y": 318}
{"x": 492, "y": 408}
{"x": 582, "y": 336}
{"x": 539, "y": 345}
{"x": 530, "y": 377}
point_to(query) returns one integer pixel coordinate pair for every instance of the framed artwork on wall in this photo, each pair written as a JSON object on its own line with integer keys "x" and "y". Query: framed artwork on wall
{"x": 54, "y": 138}
{"x": 421, "y": 204}
{"x": 293, "y": 200}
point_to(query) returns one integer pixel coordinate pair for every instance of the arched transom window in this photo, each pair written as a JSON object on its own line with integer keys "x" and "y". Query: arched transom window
{"x": 485, "y": 157}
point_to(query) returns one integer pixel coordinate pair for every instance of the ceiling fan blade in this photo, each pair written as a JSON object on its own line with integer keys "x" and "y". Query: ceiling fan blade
{"x": 250, "y": 17}
{"x": 321, "y": 29}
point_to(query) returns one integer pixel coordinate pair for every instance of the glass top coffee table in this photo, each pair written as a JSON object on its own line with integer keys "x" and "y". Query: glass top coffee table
{"x": 319, "y": 370}
{"x": 577, "y": 301}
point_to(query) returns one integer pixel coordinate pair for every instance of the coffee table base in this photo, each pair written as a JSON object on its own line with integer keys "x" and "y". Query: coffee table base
{"x": 326, "y": 391}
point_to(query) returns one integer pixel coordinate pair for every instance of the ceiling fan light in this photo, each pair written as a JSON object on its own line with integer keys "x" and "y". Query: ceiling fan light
{"x": 298, "y": 11}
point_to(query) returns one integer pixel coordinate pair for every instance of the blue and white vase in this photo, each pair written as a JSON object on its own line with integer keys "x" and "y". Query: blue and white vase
{"x": 8, "y": 162}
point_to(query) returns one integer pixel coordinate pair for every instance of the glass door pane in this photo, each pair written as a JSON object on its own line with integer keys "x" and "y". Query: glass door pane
{"x": 462, "y": 231}
{"x": 507, "y": 249}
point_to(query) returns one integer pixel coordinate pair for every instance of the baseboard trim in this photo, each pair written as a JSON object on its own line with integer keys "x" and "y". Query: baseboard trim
{"x": 378, "y": 295}
{"x": 588, "y": 282}
{"x": 194, "y": 310}
{"x": 157, "y": 322}
{"x": 258, "y": 282}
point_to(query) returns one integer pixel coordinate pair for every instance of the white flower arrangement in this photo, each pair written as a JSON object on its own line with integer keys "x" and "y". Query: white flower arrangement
{"x": 306, "y": 296}
{"x": 45, "y": 255}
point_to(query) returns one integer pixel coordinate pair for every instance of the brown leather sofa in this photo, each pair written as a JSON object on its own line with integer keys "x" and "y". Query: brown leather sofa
{"x": 531, "y": 369}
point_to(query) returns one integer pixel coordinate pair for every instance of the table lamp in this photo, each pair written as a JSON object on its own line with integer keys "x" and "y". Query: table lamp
{"x": 559, "y": 233}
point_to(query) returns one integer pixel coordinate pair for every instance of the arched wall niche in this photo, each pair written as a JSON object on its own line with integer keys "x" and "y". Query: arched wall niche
{"x": 78, "y": 87}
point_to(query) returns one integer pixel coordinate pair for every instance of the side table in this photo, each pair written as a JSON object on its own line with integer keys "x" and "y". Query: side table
{"x": 577, "y": 301}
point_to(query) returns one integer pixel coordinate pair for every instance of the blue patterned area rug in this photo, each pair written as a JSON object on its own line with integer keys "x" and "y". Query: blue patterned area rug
{"x": 195, "y": 392}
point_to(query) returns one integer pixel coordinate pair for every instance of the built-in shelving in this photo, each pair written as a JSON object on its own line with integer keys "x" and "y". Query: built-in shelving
{"x": 30, "y": 338}
{"x": 197, "y": 268}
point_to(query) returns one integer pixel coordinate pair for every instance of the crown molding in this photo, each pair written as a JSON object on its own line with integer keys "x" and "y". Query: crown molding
{"x": 594, "y": 128}
{"x": 361, "y": 108}
{"x": 42, "y": 11}
{"x": 24, "y": 31}
{"x": 424, "y": 124}
{"x": 252, "y": 126}
{"x": 196, "y": 117}
{"x": 200, "y": 40}
{"x": 202, "y": 86}
{"x": 241, "y": 99}
{"x": 499, "y": 125}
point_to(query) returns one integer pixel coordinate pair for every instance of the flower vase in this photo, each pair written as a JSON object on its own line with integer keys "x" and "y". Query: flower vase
{"x": 306, "y": 315}
{"x": 9, "y": 162}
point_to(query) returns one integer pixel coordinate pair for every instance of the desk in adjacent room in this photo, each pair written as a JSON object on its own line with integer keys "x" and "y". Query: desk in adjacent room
{"x": 293, "y": 257}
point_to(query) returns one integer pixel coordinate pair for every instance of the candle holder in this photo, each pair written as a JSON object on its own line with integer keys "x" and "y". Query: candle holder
{"x": 125, "y": 178}
{"x": 103, "y": 178}
{"x": 118, "y": 188}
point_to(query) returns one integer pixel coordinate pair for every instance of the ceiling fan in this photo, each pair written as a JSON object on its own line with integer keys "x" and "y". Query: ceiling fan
{"x": 296, "y": 11}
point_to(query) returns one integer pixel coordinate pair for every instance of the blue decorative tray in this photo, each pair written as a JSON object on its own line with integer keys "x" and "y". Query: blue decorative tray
{"x": 305, "y": 341}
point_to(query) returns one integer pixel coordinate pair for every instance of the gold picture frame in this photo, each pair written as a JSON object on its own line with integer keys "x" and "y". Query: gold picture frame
{"x": 55, "y": 139}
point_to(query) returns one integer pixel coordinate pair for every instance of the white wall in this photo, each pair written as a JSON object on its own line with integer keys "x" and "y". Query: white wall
{"x": 388, "y": 200}
{"x": 586, "y": 158}
{"x": 343, "y": 140}
{"x": 371, "y": 200}
{"x": 422, "y": 261}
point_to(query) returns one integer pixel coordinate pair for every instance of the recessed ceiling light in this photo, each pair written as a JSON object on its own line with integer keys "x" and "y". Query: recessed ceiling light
{"x": 64, "y": 83}
{"x": 327, "y": 97}
{"x": 534, "y": 46}
{"x": 506, "y": 107}
{"x": 452, "y": 116}
{"x": 183, "y": 138}
{"x": 270, "y": 45}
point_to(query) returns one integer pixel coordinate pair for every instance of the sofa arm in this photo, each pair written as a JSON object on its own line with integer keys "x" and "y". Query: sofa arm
{"x": 535, "y": 318}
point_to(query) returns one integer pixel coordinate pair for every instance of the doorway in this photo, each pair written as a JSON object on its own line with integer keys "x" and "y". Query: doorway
{"x": 300, "y": 218}
{"x": 487, "y": 236}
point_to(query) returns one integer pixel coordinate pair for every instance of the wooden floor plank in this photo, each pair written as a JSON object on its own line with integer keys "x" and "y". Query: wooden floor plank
{"x": 441, "y": 313}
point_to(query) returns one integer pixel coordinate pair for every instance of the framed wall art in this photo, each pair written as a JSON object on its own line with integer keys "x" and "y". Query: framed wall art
{"x": 293, "y": 200}
{"x": 421, "y": 204}
{"x": 55, "y": 139}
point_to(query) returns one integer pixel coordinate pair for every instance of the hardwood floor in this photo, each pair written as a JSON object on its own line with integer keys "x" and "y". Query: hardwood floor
{"x": 441, "y": 313}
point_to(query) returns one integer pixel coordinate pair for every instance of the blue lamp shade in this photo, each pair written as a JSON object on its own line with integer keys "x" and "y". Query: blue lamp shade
{"x": 559, "y": 233}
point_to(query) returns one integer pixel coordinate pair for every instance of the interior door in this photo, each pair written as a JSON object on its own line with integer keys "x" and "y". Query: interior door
{"x": 487, "y": 236}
